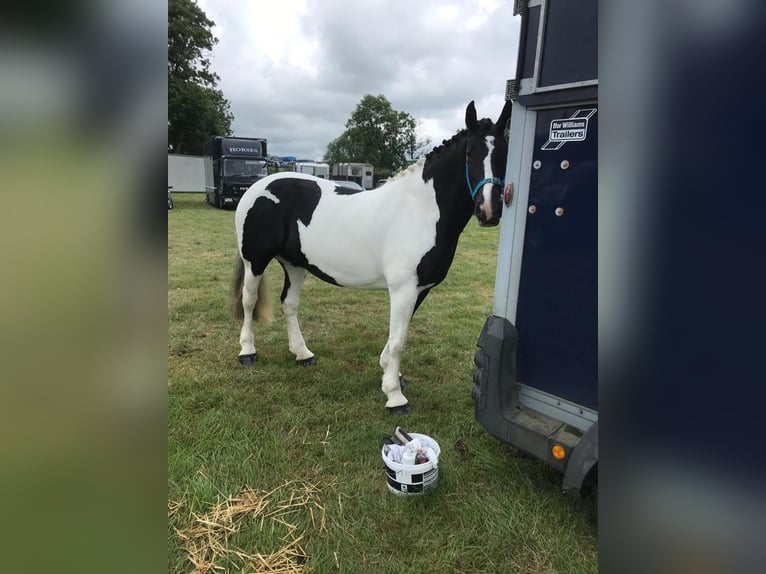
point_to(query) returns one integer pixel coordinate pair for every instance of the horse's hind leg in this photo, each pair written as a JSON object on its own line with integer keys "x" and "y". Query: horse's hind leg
{"x": 247, "y": 354}
{"x": 291, "y": 294}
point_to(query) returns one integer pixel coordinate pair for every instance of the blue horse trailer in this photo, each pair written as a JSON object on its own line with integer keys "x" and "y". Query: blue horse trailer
{"x": 536, "y": 378}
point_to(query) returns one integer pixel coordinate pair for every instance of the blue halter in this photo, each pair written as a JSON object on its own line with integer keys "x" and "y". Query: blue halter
{"x": 474, "y": 190}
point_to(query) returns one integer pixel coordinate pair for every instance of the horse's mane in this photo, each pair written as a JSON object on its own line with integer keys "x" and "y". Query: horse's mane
{"x": 442, "y": 149}
{"x": 407, "y": 170}
{"x": 446, "y": 144}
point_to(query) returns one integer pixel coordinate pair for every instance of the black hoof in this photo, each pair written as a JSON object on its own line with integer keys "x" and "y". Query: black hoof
{"x": 248, "y": 360}
{"x": 400, "y": 410}
{"x": 307, "y": 362}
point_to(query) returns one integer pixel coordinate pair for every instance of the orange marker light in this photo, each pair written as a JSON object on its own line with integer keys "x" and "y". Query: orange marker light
{"x": 558, "y": 452}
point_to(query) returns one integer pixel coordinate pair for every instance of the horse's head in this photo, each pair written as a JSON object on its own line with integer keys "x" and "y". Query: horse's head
{"x": 485, "y": 157}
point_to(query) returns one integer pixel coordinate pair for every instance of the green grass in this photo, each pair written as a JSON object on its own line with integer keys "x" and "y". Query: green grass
{"x": 493, "y": 511}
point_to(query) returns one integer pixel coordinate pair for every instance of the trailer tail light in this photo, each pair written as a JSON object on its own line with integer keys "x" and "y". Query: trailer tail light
{"x": 558, "y": 452}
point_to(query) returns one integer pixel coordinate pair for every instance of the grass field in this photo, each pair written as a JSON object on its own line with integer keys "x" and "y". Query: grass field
{"x": 306, "y": 441}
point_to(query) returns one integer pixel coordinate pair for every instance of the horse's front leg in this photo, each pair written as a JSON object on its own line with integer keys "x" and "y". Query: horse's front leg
{"x": 384, "y": 356}
{"x": 402, "y": 305}
{"x": 384, "y": 364}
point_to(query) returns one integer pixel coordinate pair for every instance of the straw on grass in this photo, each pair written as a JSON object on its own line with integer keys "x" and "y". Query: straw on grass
{"x": 206, "y": 541}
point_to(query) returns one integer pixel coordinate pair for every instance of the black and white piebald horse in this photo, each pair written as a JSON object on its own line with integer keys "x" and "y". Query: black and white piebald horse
{"x": 401, "y": 236}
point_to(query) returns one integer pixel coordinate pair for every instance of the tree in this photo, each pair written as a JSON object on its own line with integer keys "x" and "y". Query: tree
{"x": 196, "y": 107}
{"x": 377, "y": 134}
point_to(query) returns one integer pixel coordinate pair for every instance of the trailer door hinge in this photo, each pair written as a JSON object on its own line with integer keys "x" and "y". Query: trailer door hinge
{"x": 511, "y": 90}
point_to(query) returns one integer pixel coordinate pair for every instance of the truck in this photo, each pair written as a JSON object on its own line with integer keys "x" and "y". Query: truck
{"x": 232, "y": 165}
{"x": 536, "y": 376}
{"x": 361, "y": 173}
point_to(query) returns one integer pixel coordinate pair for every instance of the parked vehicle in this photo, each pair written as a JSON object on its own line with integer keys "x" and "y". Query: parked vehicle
{"x": 186, "y": 173}
{"x": 318, "y": 169}
{"x": 536, "y": 377}
{"x": 361, "y": 173}
{"x": 381, "y": 182}
{"x": 232, "y": 165}
{"x": 352, "y": 186}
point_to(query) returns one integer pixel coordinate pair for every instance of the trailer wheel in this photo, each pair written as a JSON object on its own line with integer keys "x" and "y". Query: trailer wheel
{"x": 589, "y": 495}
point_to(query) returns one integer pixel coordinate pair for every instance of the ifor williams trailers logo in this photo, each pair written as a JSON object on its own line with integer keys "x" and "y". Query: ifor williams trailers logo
{"x": 572, "y": 129}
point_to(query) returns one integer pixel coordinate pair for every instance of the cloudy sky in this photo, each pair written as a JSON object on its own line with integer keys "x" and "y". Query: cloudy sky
{"x": 294, "y": 70}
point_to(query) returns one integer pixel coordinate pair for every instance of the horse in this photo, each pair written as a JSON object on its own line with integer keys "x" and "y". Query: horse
{"x": 401, "y": 236}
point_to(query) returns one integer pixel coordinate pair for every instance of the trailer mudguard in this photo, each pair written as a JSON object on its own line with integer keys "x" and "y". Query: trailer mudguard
{"x": 581, "y": 461}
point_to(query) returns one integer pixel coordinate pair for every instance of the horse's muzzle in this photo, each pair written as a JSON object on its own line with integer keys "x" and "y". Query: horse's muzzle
{"x": 492, "y": 218}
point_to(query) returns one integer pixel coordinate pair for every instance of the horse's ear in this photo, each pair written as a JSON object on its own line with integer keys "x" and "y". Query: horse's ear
{"x": 470, "y": 117}
{"x": 504, "y": 117}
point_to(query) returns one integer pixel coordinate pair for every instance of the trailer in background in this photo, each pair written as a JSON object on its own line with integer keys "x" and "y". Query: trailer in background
{"x": 232, "y": 165}
{"x": 318, "y": 169}
{"x": 186, "y": 173}
{"x": 361, "y": 173}
{"x": 536, "y": 378}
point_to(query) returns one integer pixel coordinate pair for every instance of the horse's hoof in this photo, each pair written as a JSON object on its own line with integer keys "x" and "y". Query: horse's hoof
{"x": 400, "y": 410}
{"x": 307, "y": 362}
{"x": 248, "y": 360}
{"x": 402, "y": 383}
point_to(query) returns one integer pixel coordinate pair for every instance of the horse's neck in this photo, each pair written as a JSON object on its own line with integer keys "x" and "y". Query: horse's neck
{"x": 452, "y": 195}
{"x": 455, "y": 209}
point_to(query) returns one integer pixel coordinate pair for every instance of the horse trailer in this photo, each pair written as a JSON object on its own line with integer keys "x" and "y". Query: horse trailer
{"x": 361, "y": 173}
{"x": 536, "y": 377}
{"x": 317, "y": 169}
{"x": 186, "y": 173}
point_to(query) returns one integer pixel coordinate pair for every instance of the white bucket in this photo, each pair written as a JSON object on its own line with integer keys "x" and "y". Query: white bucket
{"x": 406, "y": 479}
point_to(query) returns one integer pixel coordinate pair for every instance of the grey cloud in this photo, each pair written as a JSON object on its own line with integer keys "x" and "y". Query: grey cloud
{"x": 425, "y": 66}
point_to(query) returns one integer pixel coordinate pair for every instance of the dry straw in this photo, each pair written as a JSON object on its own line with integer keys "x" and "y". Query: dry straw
{"x": 207, "y": 543}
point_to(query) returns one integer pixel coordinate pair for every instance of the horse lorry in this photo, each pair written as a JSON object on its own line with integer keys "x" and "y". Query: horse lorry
{"x": 232, "y": 165}
{"x": 536, "y": 376}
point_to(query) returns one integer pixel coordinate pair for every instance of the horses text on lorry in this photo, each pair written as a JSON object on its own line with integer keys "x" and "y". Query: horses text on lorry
{"x": 536, "y": 377}
{"x": 361, "y": 173}
{"x": 232, "y": 165}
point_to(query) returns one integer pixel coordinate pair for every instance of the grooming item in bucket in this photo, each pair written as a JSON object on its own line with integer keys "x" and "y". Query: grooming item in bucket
{"x": 403, "y": 474}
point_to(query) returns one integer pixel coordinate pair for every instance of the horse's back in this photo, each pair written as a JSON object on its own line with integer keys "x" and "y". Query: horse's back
{"x": 265, "y": 187}
{"x": 357, "y": 240}
{"x": 372, "y": 238}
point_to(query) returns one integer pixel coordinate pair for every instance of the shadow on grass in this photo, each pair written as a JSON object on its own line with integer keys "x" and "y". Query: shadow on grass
{"x": 187, "y": 200}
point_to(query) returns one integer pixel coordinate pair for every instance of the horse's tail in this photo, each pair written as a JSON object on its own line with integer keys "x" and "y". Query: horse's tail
{"x": 263, "y": 308}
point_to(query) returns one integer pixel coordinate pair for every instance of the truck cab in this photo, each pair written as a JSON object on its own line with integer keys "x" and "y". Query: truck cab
{"x": 232, "y": 165}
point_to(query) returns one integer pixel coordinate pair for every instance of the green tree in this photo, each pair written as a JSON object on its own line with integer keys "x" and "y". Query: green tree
{"x": 376, "y": 133}
{"x": 196, "y": 107}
